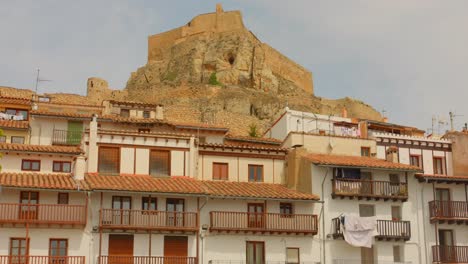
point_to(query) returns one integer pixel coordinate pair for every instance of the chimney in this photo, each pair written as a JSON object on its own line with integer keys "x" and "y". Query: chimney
{"x": 160, "y": 112}
{"x": 392, "y": 154}
{"x": 93, "y": 148}
{"x": 80, "y": 168}
{"x": 344, "y": 112}
{"x": 219, "y": 8}
{"x": 362, "y": 126}
{"x": 385, "y": 119}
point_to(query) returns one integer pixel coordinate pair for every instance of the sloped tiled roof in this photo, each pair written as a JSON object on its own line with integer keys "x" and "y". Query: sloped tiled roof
{"x": 358, "y": 162}
{"x": 14, "y": 124}
{"x": 144, "y": 183}
{"x": 63, "y": 181}
{"x": 14, "y": 100}
{"x": 442, "y": 178}
{"x": 272, "y": 141}
{"x": 39, "y": 148}
{"x": 61, "y": 114}
{"x": 243, "y": 147}
{"x": 254, "y": 190}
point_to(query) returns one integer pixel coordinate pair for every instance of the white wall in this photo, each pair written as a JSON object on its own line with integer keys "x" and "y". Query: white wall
{"x": 11, "y": 162}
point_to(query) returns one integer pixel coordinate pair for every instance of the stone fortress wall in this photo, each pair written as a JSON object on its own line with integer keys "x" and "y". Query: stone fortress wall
{"x": 220, "y": 22}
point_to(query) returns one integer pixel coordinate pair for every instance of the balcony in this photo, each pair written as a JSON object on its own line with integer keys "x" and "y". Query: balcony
{"x": 145, "y": 260}
{"x": 359, "y": 261}
{"x": 263, "y": 223}
{"x": 387, "y": 229}
{"x": 43, "y": 214}
{"x": 120, "y": 219}
{"x": 450, "y": 254}
{"x": 449, "y": 212}
{"x": 66, "y": 137}
{"x": 42, "y": 260}
{"x": 369, "y": 189}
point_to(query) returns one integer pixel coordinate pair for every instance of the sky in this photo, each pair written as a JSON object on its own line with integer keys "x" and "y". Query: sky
{"x": 407, "y": 58}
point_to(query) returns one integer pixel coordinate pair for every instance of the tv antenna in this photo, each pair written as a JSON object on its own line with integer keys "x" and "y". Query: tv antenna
{"x": 452, "y": 116}
{"x": 38, "y": 80}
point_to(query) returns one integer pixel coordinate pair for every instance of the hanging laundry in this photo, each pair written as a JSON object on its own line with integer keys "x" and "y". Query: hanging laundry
{"x": 359, "y": 231}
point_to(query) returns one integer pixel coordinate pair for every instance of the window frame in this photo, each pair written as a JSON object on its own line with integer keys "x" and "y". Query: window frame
{"x": 66, "y": 195}
{"x": 31, "y": 162}
{"x": 26, "y": 247}
{"x": 125, "y": 111}
{"x": 169, "y": 169}
{"x": 255, "y": 250}
{"x": 298, "y": 255}
{"x": 118, "y": 159}
{"x": 220, "y": 178}
{"x": 3, "y": 139}
{"x": 12, "y": 138}
{"x": 283, "y": 206}
{"x": 58, "y": 243}
{"x": 364, "y": 149}
{"x": 148, "y": 114}
{"x": 256, "y": 166}
{"x": 442, "y": 165}
{"x": 418, "y": 158}
{"x": 149, "y": 200}
{"x": 61, "y": 162}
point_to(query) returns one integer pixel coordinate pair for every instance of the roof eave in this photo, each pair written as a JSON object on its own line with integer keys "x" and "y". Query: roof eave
{"x": 365, "y": 167}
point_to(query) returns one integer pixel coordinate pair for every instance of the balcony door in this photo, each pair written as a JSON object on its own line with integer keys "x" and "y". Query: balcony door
{"x": 366, "y": 184}
{"x": 442, "y": 197}
{"x": 74, "y": 132}
{"x": 446, "y": 250}
{"x": 58, "y": 251}
{"x": 120, "y": 249}
{"x": 367, "y": 254}
{"x": 29, "y": 205}
{"x": 18, "y": 250}
{"x": 121, "y": 206}
{"x": 255, "y": 252}
{"x": 256, "y": 215}
{"x": 175, "y": 211}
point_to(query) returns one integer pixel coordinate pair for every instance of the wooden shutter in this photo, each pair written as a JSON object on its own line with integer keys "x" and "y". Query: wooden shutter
{"x": 109, "y": 160}
{"x": 160, "y": 163}
{"x": 175, "y": 246}
{"x": 220, "y": 171}
{"x": 120, "y": 245}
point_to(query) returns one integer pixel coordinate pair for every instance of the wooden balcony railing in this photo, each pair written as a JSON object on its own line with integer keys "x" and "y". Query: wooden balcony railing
{"x": 145, "y": 260}
{"x": 263, "y": 222}
{"x": 66, "y": 137}
{"x": 61, "y": 214}
{"x": 369, "y": 189}
{"x": 387, "y": 229}
{"x": 450, "y": 211}
{"x": 148, "y": 220}
{"x": 450, "y": 254}
{"x": 42, "y": 260}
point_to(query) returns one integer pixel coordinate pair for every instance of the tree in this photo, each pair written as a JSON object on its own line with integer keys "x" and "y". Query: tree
{"x": 253, "y": 130}
{"x": 214, "y": 80}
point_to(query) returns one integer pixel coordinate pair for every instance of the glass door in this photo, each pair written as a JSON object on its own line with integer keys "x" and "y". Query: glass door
{"x": 29, "y": 205}
{"x": 175, "y": 212}
{"x": 443, "y": 204}
{"x": 446, "y": 246}
{"x": 256, "y": 216}
{"x": 58, "y": 251}
{"x": 121, "y": 206}
{"x": 255, "y": 252}
{"x": 18, "y": 251}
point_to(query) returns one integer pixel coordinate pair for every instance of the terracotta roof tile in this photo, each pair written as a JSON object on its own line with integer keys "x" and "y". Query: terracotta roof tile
{"x": 245, "y": 146}
{"x": 14, "y": 124}
{"x": 186, "y": 185}
{"x": 119, "y": 119}
{"x": 359, "y": 162}
{"x": 39, "y": 148}
{"x": 255, "y": 139}
{"x": 254, "y": 190}
{"x": 133, "y": 103}
{"x": 60, "y": 114}
{"x": 144, "y": 183}
{"x": 14, "y": 100}
{"x": 41, "y": 181}
{"x": 199, "y": 126}
{"x": 442, "y": 177}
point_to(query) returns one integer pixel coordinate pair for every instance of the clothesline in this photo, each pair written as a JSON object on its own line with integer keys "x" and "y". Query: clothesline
{"x": 5, "y": 116}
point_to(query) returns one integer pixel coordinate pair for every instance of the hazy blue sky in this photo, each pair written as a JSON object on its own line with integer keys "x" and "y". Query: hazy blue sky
{"x": 407, "y": 57}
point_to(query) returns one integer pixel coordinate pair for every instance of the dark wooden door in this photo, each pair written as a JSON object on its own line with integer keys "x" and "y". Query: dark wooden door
{"x": 446, "y": 249}
{"x": 120, "y": 249}
{"x": 175, "y": 249}
{"x": 256, "y": 215}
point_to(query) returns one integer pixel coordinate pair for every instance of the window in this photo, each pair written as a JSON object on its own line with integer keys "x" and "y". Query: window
{"x": 29, "y": 202}
{"x": 394, "y": 179}
{"x": 344, "y": 173}
{"x": 365, "y": 151}
{"x": 366, "y": 210}
{"x": 109, "y": 160}
{"x": 396, "y": 213}
{"x": 255, "y": 173}
{"x": 124, "y": 112}
{"x": 20, "y": 113}
{"x": 286, "y": 209}
{"x": 146, "y": 114}
{"x": 62, "y": 198}
{"x": 415, "y": 160}
{"x": 442, "y": 194}
{"x": 2, "y": 139}
{"x": 159, "y": 164}
{"x": 18, "y": 250}
{"x": 149, "y": 203}
{"x": 292, "y": 256}
{"x": 438, "y": 165}
{"x": 175, "y": 208}
{"x": 44, "y": 99}
{"x": 61, "y": 166}
{"x": 58, "y": 248}
{"x": 397, "y": 254}
{"x": 17, "y": 140}
{"x": 31, "y": 165}
{"x": 255, "y": 252}
{"x": 220, "y": 171}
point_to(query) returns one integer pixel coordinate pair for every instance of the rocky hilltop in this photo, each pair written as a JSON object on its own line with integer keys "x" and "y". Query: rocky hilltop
{"x": 214, "y": 70}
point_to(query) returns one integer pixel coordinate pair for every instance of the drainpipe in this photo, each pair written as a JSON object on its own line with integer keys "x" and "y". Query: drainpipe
{"x": 322, "y": 245}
